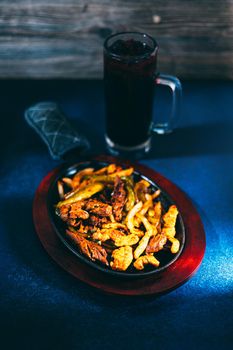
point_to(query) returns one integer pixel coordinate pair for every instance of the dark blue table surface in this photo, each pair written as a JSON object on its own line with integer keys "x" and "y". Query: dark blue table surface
{"x": 41, "y": 306}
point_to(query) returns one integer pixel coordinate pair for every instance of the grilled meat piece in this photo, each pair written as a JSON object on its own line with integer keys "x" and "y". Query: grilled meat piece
{"x": 106, "y": 234}
{"x": 122, "y": 258}
{"x": 72, "y": 222}
{"x": 96, "y": 207}
{"x": 97, "y": 221}
{"x": 118, "y": 198}
{"x": 91, "y": 249}
{"x": 81, "y": 210}
{"x": 156, "y": 243}
{"x": 76, "y": 211}
{"x": 63, "y": 212}
{"x": 73, "y": 211}
{"x": 119, "y": 238}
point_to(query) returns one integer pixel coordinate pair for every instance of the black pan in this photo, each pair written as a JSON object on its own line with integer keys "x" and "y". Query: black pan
{"x": 165, "y": 257}
{"x": 65, "y": 143}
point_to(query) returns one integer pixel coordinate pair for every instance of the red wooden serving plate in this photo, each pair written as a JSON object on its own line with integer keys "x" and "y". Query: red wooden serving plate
{"x": 170, "y": 278}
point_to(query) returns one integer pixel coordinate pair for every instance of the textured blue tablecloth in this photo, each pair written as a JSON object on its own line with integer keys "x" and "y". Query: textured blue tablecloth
{"x": 41, "y": 306}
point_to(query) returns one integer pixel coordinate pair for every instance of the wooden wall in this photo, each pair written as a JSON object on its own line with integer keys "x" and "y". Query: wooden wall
{"x": 63, "y": 38}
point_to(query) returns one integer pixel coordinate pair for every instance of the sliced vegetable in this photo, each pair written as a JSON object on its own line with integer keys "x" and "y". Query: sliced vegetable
{"x": 84, "y": 193}
{"x": 130, "y": 194}
{"x": 140, "y": 189}
{"x": 78, "y": 177}
{"x": 110, "y": 178}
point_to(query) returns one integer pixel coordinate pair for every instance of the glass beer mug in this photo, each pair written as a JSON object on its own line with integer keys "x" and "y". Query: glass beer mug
{"x": 130, "y": 79}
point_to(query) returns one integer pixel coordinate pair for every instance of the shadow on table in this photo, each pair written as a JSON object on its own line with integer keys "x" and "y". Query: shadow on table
{"x": 216, "y": 138}
{"x": 175, "y": 322}
{"x": 67, "y": 312}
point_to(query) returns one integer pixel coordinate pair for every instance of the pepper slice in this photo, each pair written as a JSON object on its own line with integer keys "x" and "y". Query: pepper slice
{"x": 83, "y": 193}
{"x": 130, "y": 194}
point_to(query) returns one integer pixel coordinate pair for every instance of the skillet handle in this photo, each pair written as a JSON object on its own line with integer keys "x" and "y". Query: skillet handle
{"x": 47, "y": 119}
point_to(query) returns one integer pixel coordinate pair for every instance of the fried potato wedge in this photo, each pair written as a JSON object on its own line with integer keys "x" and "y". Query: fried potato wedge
{"x": 168, "y": 229}
{"x": 122, "y": 258}
{"x": 127, "y": 240}
{"x": 116, "y": 225}
{"x": 175, "y": 244}
{"x": 169, "y": 218}
{"x": 142, "y": 245}
{"x": 106, "y": 234}
{"x": 140, "y": 263}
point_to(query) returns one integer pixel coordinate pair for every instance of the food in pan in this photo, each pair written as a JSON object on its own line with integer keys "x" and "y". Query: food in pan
{"x": 115, "y": 219}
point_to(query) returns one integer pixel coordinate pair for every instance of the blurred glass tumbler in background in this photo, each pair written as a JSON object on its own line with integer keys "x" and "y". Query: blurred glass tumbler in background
{"x": 130, "y": 77}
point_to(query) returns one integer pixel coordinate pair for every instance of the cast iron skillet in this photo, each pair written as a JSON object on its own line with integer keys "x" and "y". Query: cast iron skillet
{"x": 166, "y": 258}
{"x": 64, "y": 142}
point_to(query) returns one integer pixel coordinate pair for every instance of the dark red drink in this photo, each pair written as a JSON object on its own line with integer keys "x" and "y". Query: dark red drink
{"x": 129, "y": 75}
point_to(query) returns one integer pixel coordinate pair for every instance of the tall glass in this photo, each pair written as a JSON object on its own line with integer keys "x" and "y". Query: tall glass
{"x": 130, "y": 77}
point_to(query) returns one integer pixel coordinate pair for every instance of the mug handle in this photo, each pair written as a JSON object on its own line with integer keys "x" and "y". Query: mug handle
{"x": 175, "y": 85}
